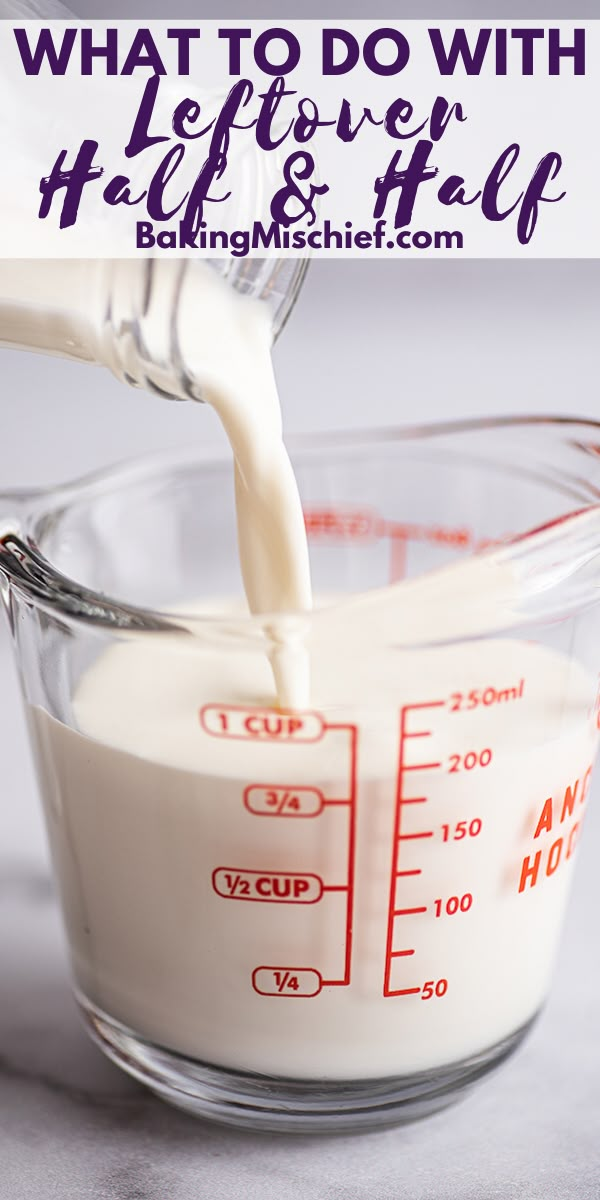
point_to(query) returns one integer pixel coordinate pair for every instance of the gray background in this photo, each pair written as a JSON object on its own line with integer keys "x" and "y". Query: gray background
{"x": 370, "y": 343}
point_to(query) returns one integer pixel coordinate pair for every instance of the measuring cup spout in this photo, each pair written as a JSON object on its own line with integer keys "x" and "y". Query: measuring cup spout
{"x": 556, "y": 567}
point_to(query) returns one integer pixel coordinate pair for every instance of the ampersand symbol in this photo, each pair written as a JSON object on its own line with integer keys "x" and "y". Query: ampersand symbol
{"x": 297, "y": 167}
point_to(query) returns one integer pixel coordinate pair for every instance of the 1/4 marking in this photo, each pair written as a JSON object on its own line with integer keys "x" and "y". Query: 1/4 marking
{"x": 293, "y": 982}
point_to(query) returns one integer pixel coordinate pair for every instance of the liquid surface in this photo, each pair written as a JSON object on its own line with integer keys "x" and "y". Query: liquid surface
{"x": 230, "y": 888}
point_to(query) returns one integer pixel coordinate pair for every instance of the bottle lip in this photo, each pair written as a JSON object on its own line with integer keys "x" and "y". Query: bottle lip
{"x": 275, "y": 281}
{"x": 571, "y": 539}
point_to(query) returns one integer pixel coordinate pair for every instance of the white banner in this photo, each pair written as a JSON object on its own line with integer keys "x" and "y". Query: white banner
{"x": 330, "y": 138}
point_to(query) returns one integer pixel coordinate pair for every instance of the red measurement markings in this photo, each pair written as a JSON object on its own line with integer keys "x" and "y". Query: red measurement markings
{"x": 430, "y": 766}
{"x": 351, "y": 856}
{"x": 398, "y": 838}
{"x": 261, "y": 724}
{"x": 365, "y": 525}
{"x": 288, "y": 800}
{"x": 267, "y": 887}
{"x": 263, "y": 977}
{"x": 341, "y": 524}
{"x": 398, "y": 557}
{"x": 413, "y": 837}
{"x": 402, "y": 534}
{"x": 485, "y": 697}
{"x": 277, "y": 800}
{"x": 292, "y": 982}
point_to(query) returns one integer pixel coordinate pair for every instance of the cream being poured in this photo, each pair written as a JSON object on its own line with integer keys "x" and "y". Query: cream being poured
{"x": 227, "y": 347}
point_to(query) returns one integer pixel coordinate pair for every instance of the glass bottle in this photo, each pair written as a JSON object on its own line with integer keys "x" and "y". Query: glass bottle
{"x": 112, "y": 311}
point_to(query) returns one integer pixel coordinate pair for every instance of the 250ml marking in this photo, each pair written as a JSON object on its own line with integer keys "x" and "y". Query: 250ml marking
{"x": 485, "y": 697}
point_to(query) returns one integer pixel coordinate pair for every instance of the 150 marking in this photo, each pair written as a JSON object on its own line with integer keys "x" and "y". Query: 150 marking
{"x": 462, "y": 829}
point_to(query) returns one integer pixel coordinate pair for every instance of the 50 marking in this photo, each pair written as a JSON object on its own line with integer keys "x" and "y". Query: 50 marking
{"x": 434, "y": 988}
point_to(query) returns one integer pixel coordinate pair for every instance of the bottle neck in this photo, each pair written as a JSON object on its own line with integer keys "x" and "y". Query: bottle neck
{"x": 118, "y": 313}
{"x": 124, "y": 313}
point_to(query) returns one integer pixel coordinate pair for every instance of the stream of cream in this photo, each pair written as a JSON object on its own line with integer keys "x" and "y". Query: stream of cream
{"x": 234, "y": 370}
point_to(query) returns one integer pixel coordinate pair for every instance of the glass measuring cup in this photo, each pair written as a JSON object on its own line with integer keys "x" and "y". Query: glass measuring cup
{"x": 338, "y": 918}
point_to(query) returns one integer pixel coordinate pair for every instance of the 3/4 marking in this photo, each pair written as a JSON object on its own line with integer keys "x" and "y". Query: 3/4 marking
{"x": 278, "y": 800}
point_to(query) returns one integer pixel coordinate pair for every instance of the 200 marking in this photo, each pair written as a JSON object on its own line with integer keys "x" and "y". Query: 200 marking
{"x": 470, "y": 760}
